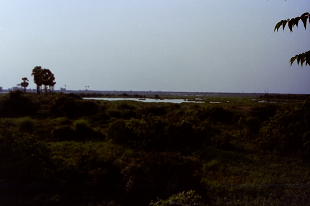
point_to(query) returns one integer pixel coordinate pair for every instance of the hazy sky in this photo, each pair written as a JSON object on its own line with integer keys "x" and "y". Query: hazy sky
{"x": 167, "y": 45}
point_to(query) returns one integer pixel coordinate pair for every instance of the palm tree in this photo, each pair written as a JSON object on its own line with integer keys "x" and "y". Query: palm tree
{"x": 48, "y": 79}
{"x": 24, "y": 83}
{"x": 37, "y": 77}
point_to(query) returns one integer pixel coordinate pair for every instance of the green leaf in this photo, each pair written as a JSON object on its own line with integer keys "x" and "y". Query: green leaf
{"x": 299, "y": 56}
{"x": 284, "y": 23}
{"x": 296, "y": 20}
{"x": 304, "y": 20}
{"x": 278, "y": 26}
{"x": 293, "y": 59}
{"x": 307, "y": 57}
{"x": 290, "y": 25}
{"x": 302, "y": 60}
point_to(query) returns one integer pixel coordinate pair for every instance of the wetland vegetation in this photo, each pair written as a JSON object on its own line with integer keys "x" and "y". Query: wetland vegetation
{"x": 60, "y": 149}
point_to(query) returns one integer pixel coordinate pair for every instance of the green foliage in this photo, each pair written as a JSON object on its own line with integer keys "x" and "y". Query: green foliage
{"x": 82, "y": 128}
{"x": 124, "y": 105}
{"x": 154, "y": 132}
{"x": 155, "y": 110}
{"x": 216, "y": 113}
{"x": 244, "y": 152}
{"x": 93, "y": 163}
{"x": 222, "y": 141}
{"x": 146, "y": 133}
{"x": 181, "y": 199}
{"x": 26, "y": 125}
{"x": 306, "y": 142}
{"x": 17, "y": 104}
{"x": 284, "y": 133}
{"x": 118, "y": 132}
{"x": 73, "y": 106}
{"x": 88, "y": 108}
{"x": 24, "y": 159}
{"x": 63, "y": 133}
{"x": 293, "y": 22}
{"x": 122, "y": 110}
{"x": 149, "y": 170}
{"x": 304, "y": 57}
{"x": 69, "y": 108}
{"x": 253, "y": 125}
{"x": 301, "y": 58}
{"x": 263, "y": 112}
{"x": 86, "y": 164}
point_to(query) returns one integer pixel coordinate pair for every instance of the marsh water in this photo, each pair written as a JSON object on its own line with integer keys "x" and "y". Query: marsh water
{"x": 178, "y": 101}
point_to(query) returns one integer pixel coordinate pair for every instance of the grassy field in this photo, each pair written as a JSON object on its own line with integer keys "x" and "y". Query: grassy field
{"x": 62, "y": 150}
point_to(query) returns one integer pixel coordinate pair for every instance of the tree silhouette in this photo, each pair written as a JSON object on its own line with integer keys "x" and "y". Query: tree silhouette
{"x": 37, "y": 77}
{"x": 43, "y": 77}
{"x": 48, "y": 79}
{"x": 24, "y": 83}
{"x": 303, "y": 57}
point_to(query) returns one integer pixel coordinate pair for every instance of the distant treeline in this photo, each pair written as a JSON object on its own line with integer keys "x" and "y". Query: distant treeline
{"x": 285, "y": 96}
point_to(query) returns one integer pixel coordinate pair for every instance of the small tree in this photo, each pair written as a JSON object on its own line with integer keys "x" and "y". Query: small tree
{"x": 24, "y": 83}
{"x": 303, "y": 57}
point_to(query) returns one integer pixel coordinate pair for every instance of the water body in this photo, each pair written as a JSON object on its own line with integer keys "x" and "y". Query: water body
{"x": 177, "y": 101}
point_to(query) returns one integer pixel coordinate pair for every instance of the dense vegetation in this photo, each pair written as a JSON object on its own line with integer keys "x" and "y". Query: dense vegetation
{"x": 62, "y": 150}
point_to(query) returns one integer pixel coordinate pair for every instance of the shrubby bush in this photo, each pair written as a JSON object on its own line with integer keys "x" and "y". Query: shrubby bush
{"x": 222, "y": 141}
{"x": 63, "y": 133}
{"x": 155, "y": 132}
{"x": 88, "y": 108}
{"x": 123, "y": 106}
{"x": 82, "y": 128}
{"x": 306, "y": 143}
{"x": 152, "y": 109}
{"x": 114, "y": 113}
{"x": 88, "y": 166}
{"x": 286, "y": 132}
{"x": 263, "y": 112}
{"x": 122, "y": 110}
{"x": 251, "y": 125}
{"x": 65, "y": 105}
{"x": 72, "y": 106}
{"x": 216, "y": 114}
{"x": 118, "y": 132}
{"x": 26, "y": 125}
{"x": 180, "y": 199}
{"x": 122, "y": 113}
{"x": 79, "y": 131}
{"x": 24, "y": 159}
{"x": 167, "y": 170}
{"x": 147, "y": 132}
{"x": 17, "y": 104}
